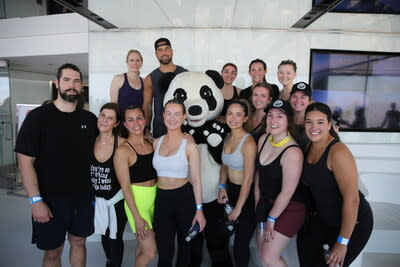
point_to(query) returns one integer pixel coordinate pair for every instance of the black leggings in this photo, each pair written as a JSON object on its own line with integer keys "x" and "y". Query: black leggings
{"x": 217, "y": 238}
{"x": 245, "y": 227}
{"x": 114, "y": 248}
{"x": 173, "y": 215}
{"x": 315, "y": 233}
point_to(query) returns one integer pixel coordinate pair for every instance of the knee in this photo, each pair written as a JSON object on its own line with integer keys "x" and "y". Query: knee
{"x": 269, "y": 259}
{"x": 149, "y": 254}
{"x": 76, "y": 242}
{"x": 54, "y": 254}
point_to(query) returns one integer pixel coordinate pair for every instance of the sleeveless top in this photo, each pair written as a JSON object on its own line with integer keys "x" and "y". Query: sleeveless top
{"x": 325, "y": 190}
{"x": 158, "y": 128}
{"x": 142, "y": 170}
{"x": 102, "y": 175}
{"x": 299, "y": 134}
{"x": 258, "y": 131}
{"x": 270, "y": 177}
{"x": 175, "y": 166}
{"x": 128, "y": 96}
{"x": 234, "y": 160}
{"x": 227, "y": 101}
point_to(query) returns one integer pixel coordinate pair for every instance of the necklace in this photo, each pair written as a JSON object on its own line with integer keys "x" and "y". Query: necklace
{"x": 280, "y": 143}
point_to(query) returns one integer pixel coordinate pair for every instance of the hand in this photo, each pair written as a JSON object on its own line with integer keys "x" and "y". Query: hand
{"x": 234, "y": 214}
{"x": 141, "y": 228}
{"x": 337, "y": 255}
{"x": 269, "y": 231}
{"x": 41, "y": 212}
{"x": 222, "y": 196}
{"x": 199, "y": 217}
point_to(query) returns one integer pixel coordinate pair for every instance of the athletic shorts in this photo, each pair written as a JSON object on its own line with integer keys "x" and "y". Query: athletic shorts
{"x": 290, "y": 220}
{"x": 144, "y": 199}
{"x": 71, "y": 214}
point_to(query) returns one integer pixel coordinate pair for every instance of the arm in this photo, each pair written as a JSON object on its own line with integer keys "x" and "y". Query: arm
{"x": 40, "y": 211}
{"x": 342, "y": 164}
{"x": 292, "y": 165}
{"x": 223, "y": 176}
{"x": 116, "y": 84}
{"x": 249, "y": 149}
{"x": 148, "y": 99}
{"x": 121, "y": 165}
{"x": 193, "y": 156}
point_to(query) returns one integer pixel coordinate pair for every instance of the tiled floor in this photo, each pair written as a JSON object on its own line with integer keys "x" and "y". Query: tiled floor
{"x": 16, "y": 250}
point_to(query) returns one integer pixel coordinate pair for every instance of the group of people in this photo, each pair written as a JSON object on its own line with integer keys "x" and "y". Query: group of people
{"x": 284, "y": 171}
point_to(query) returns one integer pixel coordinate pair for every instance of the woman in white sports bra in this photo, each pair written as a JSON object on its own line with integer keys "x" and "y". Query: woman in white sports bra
{"x": 236, "y": 179}
{"x": 178, "y": 203}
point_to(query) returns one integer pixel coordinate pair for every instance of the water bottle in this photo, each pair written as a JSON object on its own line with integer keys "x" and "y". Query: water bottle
{"x": 193, "y": 231}
{"x": 326, "y": 253}
{"x": 230, "y": 225}
{"x": 261, "y": 228}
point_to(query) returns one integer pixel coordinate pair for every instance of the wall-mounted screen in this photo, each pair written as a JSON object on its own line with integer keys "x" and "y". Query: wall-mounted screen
{"x": 362, "y": 88}
{"x": 366, "y": 6}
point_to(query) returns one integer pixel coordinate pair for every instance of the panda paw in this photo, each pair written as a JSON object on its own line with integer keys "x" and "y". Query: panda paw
{"x": 214, "y": 138}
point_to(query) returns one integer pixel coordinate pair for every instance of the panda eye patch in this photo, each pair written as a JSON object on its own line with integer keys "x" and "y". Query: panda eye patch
{"x": 207, "y": 95}
{"x": 180, "y": 95}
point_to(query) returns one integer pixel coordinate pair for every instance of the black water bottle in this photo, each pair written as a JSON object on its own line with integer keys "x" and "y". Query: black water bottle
{"x": 193, "y": 231}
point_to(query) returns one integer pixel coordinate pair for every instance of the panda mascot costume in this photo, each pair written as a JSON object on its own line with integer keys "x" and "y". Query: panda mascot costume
{"x": 203, "y": 100}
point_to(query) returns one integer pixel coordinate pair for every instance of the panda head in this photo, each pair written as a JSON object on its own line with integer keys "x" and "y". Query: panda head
{"x": 200, "y": 93}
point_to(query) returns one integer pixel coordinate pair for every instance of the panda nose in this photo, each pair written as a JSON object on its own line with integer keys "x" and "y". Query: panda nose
{"x": 194, "y": 110}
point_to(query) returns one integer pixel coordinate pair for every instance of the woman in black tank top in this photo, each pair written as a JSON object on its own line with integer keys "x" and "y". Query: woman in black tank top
{"x": 109, "y": 205}
{"x": 280, "y": 208}
{"x": 137, "y": 177}
{"x": 343, "y": 217}
{"x": 229, "y": 91}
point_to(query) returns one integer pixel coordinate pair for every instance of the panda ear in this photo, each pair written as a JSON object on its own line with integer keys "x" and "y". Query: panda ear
{"x": 217, "y": 78}
{"x": 165, "y": 81}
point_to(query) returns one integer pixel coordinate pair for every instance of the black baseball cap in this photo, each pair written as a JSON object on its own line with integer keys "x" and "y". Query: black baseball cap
{"x": 162, "y": 41}
{"x": 303, "y": 87}
{"x": 282, "y": 105}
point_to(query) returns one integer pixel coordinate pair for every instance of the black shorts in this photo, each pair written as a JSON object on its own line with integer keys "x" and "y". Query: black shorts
{"x": 71, "y": 214}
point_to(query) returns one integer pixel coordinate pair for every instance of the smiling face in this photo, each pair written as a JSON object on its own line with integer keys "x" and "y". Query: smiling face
{"x": 277, "y": 122}
{"x": 260, "y": 98}
{"x": 317, "y": 125}
{"x": 107, "y": 121}
{"x": 286, "y": 74}
{"x": 257, "y": 72}
{"x": 236, "y": 116}
{"x": 135, "y": 121}
{"x": 134, "y": 61}
{"x": 164, "y": 54}
{"x": 174, "y": 115}
{"x": 229, "y": 74}
{"x": 299, "y": 101}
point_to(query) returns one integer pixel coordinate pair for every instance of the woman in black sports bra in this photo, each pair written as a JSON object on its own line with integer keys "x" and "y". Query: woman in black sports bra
{"x": 110, "y": 218}
{"x": 343, "y": 218}
{"x": 280, "y": 202}
{"x": 229, "y": 91}
{"x": 137, "y": 177}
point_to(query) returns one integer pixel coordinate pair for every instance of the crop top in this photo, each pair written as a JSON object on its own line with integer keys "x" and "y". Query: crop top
{"x": 175, "y": 166}
{"x": 235, "y": 160}
{"x": 142, "y": 170}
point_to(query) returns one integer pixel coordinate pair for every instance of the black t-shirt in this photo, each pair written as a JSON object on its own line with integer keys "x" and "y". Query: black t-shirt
{"x": 61, "y": 143}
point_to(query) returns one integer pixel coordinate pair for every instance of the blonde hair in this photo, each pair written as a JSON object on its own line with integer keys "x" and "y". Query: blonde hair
{"x": 134, "y": 51}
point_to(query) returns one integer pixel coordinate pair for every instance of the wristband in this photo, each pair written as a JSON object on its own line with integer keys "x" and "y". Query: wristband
{"x": 35, "y": 199}
{"x": 199, "y": 206}
{"x": 222, "y": 186}
{"x": 342, "y": 241}
{"x": 271, "y": 219}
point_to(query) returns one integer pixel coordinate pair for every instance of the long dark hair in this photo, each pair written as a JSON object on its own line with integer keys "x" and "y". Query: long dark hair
{"x": 125, "y": 132}
{"x": 324, "y": 108}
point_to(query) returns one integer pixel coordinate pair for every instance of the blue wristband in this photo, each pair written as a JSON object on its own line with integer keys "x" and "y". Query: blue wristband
{"x": 343, "y": 241}
{"x": 35, "y": 199}
{"x": 199, "y": 206}
{"x": 271, "y": 219}
{"x": 222, "y": 186}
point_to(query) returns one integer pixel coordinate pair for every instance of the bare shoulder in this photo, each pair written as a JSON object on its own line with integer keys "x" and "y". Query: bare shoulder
{"x": 121, "y": 140}
{"x": 250, "y": 143}
{"x": 340, "y": 151}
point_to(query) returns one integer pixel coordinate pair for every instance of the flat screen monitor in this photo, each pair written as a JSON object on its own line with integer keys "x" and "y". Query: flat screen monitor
{"x": 366, "y": 6}
{"x": 362, "y": 88}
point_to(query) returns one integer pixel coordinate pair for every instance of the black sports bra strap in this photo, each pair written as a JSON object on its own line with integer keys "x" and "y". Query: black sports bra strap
{"x": 131, "y": 146}
{"x": 265, "y": 140}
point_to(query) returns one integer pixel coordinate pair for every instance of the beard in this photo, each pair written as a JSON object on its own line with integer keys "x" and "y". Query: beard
{"x": 165, "y": 61}
{"x": 69, "y": 98}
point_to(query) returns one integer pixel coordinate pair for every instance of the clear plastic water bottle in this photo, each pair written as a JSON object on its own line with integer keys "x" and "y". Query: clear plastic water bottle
{"x": 230, "y": 225}
{"x": 326, "y": 253}
{"x": 193, "y": 231}
{"x": 261, "y": 228}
